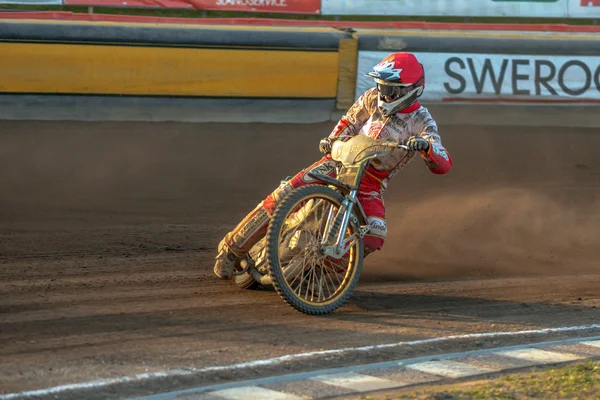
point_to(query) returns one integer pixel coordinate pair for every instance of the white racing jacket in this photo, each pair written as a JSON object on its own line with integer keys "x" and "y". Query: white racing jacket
{"x": 364, "y": 118}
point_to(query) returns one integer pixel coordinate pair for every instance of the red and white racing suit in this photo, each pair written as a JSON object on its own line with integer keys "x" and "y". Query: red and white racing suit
{"x": 363, "y": 118}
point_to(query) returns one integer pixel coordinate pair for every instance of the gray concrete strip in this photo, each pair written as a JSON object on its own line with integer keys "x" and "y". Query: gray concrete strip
{"x": 163, "y": 109}
{"x": 168, "y": 35}
{"x": 397, "y": 373}
{"x": 296, "y": 111}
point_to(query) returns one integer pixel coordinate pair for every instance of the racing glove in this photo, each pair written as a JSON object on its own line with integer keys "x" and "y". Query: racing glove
{"x": 416, "y": 143}
{"x": 325, "y": 145}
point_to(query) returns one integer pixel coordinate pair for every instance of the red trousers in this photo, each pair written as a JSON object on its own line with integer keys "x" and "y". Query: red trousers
{"x": 254, "y": 226}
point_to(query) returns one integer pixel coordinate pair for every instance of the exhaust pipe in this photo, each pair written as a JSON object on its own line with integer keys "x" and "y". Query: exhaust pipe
{"x": 260, "y": 278}
{"x": 290, "y": 272}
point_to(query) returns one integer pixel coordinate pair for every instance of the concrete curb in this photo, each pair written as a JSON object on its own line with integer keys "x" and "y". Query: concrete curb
{"x": 398, "y": 374}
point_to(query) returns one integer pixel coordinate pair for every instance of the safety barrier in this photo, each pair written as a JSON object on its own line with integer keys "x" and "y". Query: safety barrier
{"x": 266, "y": 62}
{"x": 175, "y": 60}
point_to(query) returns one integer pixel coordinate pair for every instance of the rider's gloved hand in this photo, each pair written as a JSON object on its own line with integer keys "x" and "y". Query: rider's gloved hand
{"x": 416, "y": 143}
{"x": 325, "y": 145}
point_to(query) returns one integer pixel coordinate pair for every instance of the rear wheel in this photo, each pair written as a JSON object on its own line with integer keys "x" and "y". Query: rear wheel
{"x": 304, "y": 277}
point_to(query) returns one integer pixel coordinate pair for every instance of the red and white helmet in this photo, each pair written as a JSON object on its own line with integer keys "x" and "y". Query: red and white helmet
{"x": 400, "y": 79}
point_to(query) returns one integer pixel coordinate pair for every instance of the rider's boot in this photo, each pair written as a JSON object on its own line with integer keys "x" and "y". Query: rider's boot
{"x": 237, "y": 243}
{"x": 226, "y": 261}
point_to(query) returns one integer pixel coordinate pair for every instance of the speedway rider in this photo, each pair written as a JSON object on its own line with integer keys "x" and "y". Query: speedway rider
{"x": 390, "y": 110}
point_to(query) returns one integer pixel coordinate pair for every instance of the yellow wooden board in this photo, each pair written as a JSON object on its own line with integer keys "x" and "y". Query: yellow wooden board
{"x": 92, "y": 69}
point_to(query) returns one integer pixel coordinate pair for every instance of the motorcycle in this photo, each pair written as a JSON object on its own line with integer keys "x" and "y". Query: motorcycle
{"x": 312, "y": 253}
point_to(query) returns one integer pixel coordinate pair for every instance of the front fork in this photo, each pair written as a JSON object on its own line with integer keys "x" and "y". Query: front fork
{"x": 333, "y": 243}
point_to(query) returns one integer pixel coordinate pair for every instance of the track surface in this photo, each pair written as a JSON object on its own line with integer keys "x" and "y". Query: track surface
{"x": 108, "y": 233}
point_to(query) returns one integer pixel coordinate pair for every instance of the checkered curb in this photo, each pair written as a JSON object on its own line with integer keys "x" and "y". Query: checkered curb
{"x": 395, "y": 374}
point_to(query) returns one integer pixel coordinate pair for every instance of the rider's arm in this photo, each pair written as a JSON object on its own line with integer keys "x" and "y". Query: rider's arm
{"x": 436, "y": 157}
{"x": 356, "y": 116}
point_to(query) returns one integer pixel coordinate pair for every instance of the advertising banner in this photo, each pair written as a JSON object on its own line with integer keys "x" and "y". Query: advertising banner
{"x": 34, "y": 2}
{"x": 584, "y": 8}
{"x": 473, "y": 8}
{"x": 274, "y": 6}
{"x": 476, "y": 77}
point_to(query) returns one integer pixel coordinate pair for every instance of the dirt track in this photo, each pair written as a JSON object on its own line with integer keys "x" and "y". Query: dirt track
{"x": 108, "y": 231}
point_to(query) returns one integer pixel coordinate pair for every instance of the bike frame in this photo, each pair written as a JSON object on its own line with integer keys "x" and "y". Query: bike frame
{"x": 349, "y": 177}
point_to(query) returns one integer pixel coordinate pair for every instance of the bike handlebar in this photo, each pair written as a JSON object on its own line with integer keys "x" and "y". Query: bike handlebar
{"x": 396, "y": 145}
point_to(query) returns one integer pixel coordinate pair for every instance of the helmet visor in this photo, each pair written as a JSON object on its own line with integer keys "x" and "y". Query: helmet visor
{"x": 392, "y": 92}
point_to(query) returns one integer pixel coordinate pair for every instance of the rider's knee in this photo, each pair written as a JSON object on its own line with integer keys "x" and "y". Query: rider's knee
{"x": 270, "y": 204}
{"x": 273, "y": 199}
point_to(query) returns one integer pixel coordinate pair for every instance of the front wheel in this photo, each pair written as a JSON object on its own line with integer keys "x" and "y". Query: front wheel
{"x": 306, "y": 278}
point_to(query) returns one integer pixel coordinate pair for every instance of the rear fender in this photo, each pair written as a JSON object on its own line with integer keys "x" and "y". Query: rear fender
{"x": 345, "y": 189}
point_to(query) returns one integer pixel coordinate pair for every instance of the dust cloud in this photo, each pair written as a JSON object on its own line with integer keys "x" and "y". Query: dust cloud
{"x": 519, "y": 202}
{"x": 500, "y": 232}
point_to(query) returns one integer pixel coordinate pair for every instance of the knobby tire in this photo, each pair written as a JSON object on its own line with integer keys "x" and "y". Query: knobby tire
{"x": 291, "y": 201}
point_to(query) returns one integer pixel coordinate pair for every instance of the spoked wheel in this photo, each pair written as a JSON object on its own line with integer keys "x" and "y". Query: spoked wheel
{"x": 305, "y": 277}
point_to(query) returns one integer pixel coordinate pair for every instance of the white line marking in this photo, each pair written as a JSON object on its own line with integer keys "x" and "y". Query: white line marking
{"x": 278, "y": 360}
{"x": 358, "y": 382}
{"x": 448, "y": 368}
{"x": 253, "y": 392}
{"x": 539, "y": 356}
{"x": 595, "y": 343}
